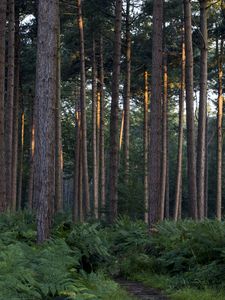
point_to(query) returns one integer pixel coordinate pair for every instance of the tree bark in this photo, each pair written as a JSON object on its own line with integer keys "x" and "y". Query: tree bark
{"x": 113, "y": 156}
{"x": 164, "y": 140}
{"x": 102, "y": 129}
{"x": 21, "y": 154}
{"x": 83, "y": 112}
{"x": 219, "y": 135}
{"x": 191, "y": 159}
{"x": 9, "y": 102}
{"x": 94, "y": 129}
{"x": 44, "y": 117}
{"x": 146, "y": 143}
{"x": 58, "y": 134}
{"x": 31, "y": 157}
{"x": 16, "y": 101}
{"x": 202, "y": 110}
{"x": 156, "y": 116}
{"x": 127, "y": 94}
{"x": 2, "y": 105}
{"x": 178, "y": 191}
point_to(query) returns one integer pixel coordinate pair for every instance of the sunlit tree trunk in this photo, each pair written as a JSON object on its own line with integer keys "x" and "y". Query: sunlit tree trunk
{"x": 146, "y": 143}
{"x": 219, "y": 134}
{"x": 156, "y": 116}
{"x": 178, "y": 191}
{"x": 9, "y": 102}
{"x": 31, "y": 156}
{"x": 2, "y": 105}
{"x": 44, "y": 117}
{"x": 83, "y": 113}
{"x": 113, "y": 156}
{"x": 191, "y": 159}
{"x": 202, "y": 110}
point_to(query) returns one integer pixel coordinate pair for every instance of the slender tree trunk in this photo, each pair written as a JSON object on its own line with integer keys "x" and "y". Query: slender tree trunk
{"x": 83, "y": 113}
{"x": 156, "y": 116}
{"x": 94, "y": 129}
{"x": 16, "y": 112}
{"x": 2, "y": 108}
{"x": 58, "y": 135}
{"x": 9, "y": 102}
{"x": 80, "y": 195}
{"x": 77, "y": 168}
{"x": 146, "y": 144}
{"x": 113, "y": 157}
{"x": 164, "y": 141}
{"x": 121, "y": 130}
{"x": 202, "y": 111}
{"x": 127, "y": 94}
{"x": 180, "y": 137}
{"x": 206, "y": 168}
{"x": 31, "y": 159}
{"x": 21, "y": 153}
{"x": 102, "y": 124}
{"x": 219, "y": 135}
{"x": 44, "y": 117}
{"x": 190, "y": 111}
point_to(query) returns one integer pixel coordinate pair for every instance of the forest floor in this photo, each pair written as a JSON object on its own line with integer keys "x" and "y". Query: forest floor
{"x": 140, "y": 291}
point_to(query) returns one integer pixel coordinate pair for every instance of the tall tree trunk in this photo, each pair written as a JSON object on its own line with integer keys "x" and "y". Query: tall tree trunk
{"x": 31, "y": 157}
{"x": 206, "y": 169}
{"x": 75, "y": 212}
{"x": 127, "y": 94}
{"x": 202, "y": 110}
{"x": 94, "y": 129}
{"x": 2, "y": 108}
{"x": 191, "y": 159}
{"x": 146, "y": 144}
{"x": 178, "y": 191}
{"x": 164, "y": 140}
{"x": 102, "y": 129}
{"x": 219, "y": 135}
{"x": 156, "y": 116}
{"x": 16, "y": 112}
{"x": 21, "y": 153}
{"x": 83, "y": 112}
{"x": 44, "y": 117}
{"x": 113, "y": 156}
{"x": 9, "y": 102}
{"x": 121, "y": 130}
{"x": 58, "y": 134}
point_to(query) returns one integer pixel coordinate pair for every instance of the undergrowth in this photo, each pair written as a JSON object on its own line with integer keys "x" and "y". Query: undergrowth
{"x": 78, "y": 260}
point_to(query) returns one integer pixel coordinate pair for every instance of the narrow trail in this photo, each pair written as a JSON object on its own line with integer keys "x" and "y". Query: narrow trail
{"x": 139, "y": 291}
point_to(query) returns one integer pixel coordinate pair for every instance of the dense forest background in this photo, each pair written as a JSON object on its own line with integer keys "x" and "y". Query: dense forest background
{"x": 107, "y": 120}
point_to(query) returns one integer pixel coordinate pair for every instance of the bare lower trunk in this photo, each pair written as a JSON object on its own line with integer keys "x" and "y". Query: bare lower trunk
{"x": 44, "y": 117}
{"x": 102, "y": 124}
{"x": 219, "y": 135}
{"x": 156, "y": 116}
{"x": 94, "y": 130}
{"x": 9, "y": 102}
{"x": 16, "y": 113}
{"x": 75, "y": 212}
{"x": 31, "y": 159}
{"x": 180, "y": 138}
{"x": 191, "y": 159}
{"x": 113, "y": 157}
{"x": 146, "y": 144}
{"x": 58, "y": 137}
{"x": 83, "y": 113}
{"x": 127, "y": 95}
{"x": 2, "y": 105}
{"x": 21, "y": 153}
{"x": 164, "y": 141}
{"x": 202, "y": 111}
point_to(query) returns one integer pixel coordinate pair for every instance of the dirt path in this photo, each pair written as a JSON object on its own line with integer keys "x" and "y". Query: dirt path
{"x": 140, "y": 291}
